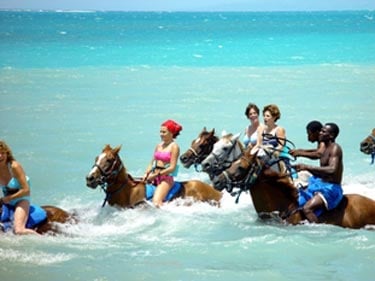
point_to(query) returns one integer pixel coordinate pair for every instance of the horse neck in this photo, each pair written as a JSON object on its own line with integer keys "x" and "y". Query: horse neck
{"x": 274, "y": 193}
{"x": 125, "y": 191}
{"x": 236, "y": 152}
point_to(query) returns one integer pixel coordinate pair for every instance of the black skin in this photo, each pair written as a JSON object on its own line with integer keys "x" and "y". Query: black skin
{"x": 330, "y": 169}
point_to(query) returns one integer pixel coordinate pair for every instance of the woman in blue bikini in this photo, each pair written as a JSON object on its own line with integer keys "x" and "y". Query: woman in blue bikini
{"x": 16, "y": 189}
{"x": 163, "y": 165}
{"x": 251, "y": 134}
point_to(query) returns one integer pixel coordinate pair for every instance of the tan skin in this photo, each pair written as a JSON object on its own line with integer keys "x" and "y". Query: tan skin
{"x": 330, "y": 170}
{"x": 268, "y": 127}
{"x": 21, "y": 212}
{"x": 167, "y": 145}
{"x": 254, "y": 122}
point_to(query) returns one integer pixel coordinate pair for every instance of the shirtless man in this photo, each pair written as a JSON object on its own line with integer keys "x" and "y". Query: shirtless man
{"x": 312, "y": 129}
{"x": 325, "y": 183}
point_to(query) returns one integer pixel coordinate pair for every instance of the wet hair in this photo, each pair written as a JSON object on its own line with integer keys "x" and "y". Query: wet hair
{"x": 251, "y": 106}
{"x": 5, "y": 148}
{"x": 314, "y": 126}
{"x": 274, "y": 110}
{"x": 334, "y": 129}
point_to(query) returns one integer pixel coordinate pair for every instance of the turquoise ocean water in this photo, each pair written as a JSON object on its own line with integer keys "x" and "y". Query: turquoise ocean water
{"x": 71, "y": 82}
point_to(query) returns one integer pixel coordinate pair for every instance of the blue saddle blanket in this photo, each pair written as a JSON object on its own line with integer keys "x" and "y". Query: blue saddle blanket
{"x": 36, "y": 215}
{"x": 150, "y": 190}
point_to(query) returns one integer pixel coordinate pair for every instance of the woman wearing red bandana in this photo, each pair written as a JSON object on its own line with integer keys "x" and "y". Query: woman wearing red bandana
{"x": 163, "y": 165}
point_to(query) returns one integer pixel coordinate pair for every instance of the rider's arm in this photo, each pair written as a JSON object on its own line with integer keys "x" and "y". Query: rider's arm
{"x": 309, "y": 153}
{"x": 323, "y": 171}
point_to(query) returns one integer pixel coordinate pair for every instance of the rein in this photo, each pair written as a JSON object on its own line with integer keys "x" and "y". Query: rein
{"x": 246, "y": 183}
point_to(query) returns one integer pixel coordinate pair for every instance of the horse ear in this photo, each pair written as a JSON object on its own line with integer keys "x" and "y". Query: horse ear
{"x": 204, "y": 129}
{"x": 224, "y": 133}
{"x": 236, "y": 136}
{"x": 212, "y": 131}
{"x": 107, "y": 147}
{"x": 117, "y": 149}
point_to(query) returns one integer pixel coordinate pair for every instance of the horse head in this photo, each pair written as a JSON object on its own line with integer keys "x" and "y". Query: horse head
{"x": 106, "y": 167}
{"x": 224, "y": 152}
{"x": 271, "y": 191}
{"x": 240, "y": 174}
{"x": 199, "y": 149}
{"x": 367, "y": 146}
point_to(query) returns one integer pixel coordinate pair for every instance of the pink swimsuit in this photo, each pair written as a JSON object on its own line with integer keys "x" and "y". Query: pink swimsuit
{"x": 164, "y": 156}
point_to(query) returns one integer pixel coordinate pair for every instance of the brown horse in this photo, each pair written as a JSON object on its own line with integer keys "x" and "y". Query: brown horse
{"x": 124, "y": 191}
{"x": 54, "y": 215}
{"x": 200, "y": 148}
{"x": 273, "y": 194}
{"x": 367, "y": 146}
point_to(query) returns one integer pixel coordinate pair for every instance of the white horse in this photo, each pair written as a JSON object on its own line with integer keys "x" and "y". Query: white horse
{"x": 226, "y": 150}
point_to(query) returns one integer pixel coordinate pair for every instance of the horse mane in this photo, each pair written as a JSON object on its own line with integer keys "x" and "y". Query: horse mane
{"x": 228, "y": 137}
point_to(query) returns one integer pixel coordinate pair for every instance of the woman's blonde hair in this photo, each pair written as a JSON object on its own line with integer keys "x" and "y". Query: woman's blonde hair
{"x": 5, "y": 148}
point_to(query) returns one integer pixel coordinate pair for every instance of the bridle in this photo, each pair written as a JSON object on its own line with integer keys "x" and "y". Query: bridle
{"x": 222, "y": 163}
{"x": 372, "y": 148}
{"x": 256, "y": 168}
{"x": 105, "y": 178}
{"x": 198, "y": 157}
{"x": 246, "y": 182}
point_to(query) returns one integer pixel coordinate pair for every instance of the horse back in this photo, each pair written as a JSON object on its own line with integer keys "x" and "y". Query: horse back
{"x": 54, "y": 214}
{"x": 200, "y": 191}
{"x": 354, "y": 211}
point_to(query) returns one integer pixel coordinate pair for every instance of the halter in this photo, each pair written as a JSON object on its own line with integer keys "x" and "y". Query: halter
{"x": 199, "y": 157}
{"x": 247, "y": 182}
{"x": 105, "y": 177}
{"x": 221, "y": 164}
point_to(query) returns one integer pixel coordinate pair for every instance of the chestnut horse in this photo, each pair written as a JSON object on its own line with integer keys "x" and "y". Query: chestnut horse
{"x": 273, "y": 194}
{"x": 200, "y": 148}
{"x": 367, "y": 146}
{"x": 54, "y": 215}
{"x": 123, "y": 190}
